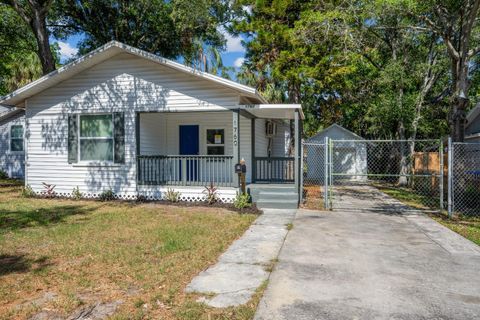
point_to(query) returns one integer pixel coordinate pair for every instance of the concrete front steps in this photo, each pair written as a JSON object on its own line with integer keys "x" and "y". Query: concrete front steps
{"x": 274, "y": 196}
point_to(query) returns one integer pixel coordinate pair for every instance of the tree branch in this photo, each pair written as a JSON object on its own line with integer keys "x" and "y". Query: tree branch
{"x": 21, "y": 12}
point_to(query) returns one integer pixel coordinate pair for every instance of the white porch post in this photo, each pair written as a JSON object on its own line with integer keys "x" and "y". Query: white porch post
{"x": 236, "y": 144}
{"x": 297, "y": 141}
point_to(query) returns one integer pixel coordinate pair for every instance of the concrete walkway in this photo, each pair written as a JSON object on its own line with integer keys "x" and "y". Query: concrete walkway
{"x": 245, "y": 265}
{"x": 369, "y": 264}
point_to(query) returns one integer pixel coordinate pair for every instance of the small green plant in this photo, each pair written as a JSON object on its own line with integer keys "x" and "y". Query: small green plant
{"x": 27, "y": 192}
{"x": 76, "y": 193}
{"x": 242, "y": 200}
{"x": 49, "y": 190}
{"x": 211, "y": 194}
{"x": 289, "y": 226}
{"x": 172, "y": 195}
{"x": 107, "y": 195}
{"x": 3, "y": 175}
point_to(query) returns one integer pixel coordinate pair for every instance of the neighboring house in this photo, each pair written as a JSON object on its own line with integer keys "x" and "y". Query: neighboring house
{"x": 472, "y": 127}
{"x": 349, "y": 156}
{"x": 125, "y": 120}
{"x": 12, "y": 130}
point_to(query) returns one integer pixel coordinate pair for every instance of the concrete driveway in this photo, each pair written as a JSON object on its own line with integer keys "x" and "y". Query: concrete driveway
{"x": 373, "y": 265}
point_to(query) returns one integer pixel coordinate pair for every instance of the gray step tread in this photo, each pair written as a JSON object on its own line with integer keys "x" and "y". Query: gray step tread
{"x": 271, "y": 193}
{"x": 277, "y": 201}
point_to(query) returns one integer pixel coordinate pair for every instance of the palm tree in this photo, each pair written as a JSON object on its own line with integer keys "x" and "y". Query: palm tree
{"x": 23, "y": 69}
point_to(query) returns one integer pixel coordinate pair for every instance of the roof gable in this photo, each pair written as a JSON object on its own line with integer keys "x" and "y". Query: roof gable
{"x": 334, "y": 127}
{"x": 105, "y": 52}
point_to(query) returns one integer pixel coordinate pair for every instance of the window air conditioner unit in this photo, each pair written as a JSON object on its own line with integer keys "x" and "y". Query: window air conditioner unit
{"x": 271, "y": 129}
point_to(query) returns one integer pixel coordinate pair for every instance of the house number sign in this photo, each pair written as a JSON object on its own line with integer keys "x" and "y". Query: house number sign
{"x": 235, "y": 130}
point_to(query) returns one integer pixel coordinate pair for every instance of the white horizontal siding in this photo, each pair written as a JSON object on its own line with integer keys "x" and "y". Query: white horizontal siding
{"x": 127, "y": 84}
{"x": 13, "y": 163}
{"x": 281, "y": 140}
{"x": 261, "y": 140}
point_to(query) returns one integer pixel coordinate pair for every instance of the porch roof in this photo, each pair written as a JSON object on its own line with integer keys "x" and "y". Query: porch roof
{"x": 273, "y": 111}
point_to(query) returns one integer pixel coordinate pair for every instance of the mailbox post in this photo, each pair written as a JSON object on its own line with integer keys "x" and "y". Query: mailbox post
{"x": 241, "y": 170}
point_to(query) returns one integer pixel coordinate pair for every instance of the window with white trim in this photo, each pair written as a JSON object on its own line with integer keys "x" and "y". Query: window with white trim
{"x": 16, "y": 138}
{"x": 96, "y": 137}
{"x": 215, "y": 142}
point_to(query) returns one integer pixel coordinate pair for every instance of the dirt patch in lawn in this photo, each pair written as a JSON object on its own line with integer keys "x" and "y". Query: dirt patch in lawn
{"x": 62, "y": 258}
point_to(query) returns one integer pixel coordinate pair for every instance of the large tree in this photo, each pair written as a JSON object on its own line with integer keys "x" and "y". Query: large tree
{"x": 34, "y": 13}
{"x": 457, "y": 22}
{"x": 177, "y": 28}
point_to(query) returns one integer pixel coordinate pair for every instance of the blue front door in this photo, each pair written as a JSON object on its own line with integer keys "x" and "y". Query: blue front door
{"x": 189, "y": 145}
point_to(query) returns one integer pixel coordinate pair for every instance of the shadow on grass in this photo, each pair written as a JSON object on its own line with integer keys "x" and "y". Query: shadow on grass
{"x": 20, "y": 264}
{"x": 18, "y": 219}
{"x": 11, "y": 183}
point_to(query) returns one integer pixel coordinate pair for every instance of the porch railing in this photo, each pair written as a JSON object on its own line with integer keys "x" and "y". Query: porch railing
{"x": 275, "y": 169}
{"x": 185, "y": 170}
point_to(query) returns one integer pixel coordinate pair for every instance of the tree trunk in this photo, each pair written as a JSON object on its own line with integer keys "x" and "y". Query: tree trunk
{"x": 39, "y": 27}
{"x": 36, "y": 18}
{"x": 404, "y": 167}
{"x": 459, "y": 101}
{"x": 429, "y": 80}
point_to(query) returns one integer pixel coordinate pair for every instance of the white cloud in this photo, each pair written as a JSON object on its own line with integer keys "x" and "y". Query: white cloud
{"x": 234, "y": 44}
{"x": 239, "y": 62}
{"x": 66, "y": 50}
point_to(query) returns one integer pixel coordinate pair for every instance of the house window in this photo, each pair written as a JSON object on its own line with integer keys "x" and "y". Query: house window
{"x": 16, "y": 138}
{"x": 96, "y": 137}
{"x": 216, "y": 141}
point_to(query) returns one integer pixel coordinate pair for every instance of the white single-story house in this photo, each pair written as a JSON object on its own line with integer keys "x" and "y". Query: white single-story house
{"x": 472, "y": 127}
{"x": 349, "y": 154}
{"x": 12, "y": 148}
{"x": 125, "y": 120}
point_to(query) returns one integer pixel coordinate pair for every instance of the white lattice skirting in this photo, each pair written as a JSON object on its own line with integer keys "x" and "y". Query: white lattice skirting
{"x": 190, "y": 194}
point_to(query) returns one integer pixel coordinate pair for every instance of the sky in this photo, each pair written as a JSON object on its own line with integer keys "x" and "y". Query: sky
{"x": 234, "y": 55}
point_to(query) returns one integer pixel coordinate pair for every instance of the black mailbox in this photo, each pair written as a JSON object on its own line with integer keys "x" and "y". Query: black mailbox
{"x": 240, "y": 168}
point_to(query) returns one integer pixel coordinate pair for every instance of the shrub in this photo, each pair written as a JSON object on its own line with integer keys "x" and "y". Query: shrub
{"x": 242, "y": 200}
{"x": 107, "y": 195}
{"x": 211, "y": 194}
{"x": 141, "y": 198}
{"x": 27, "y": 192}
{"x": 3, "y": 175}
{"x": 172, "y": 195}
{"x": 76, "y": 194}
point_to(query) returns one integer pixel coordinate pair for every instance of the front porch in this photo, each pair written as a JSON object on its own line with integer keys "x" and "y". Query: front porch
{"x": 190, "y": 150}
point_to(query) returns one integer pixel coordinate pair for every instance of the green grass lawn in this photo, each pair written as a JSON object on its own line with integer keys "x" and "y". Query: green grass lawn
{"x": 468, "y": 227}
{"x": 84, "y": 252}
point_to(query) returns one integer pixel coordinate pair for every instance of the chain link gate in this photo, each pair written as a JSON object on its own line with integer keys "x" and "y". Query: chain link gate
{"x": 336, "y": 172}
{"x": 464, "y": 178}
{"x": 315, "y": 175}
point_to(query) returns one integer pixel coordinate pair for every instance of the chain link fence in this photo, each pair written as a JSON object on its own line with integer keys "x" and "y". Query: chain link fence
{"x": 418, "y": 173}
{"x": 410, "y": 171}
{"x": 464, "y": 184}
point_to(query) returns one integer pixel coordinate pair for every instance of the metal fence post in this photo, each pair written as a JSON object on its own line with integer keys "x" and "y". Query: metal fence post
{"x": 325, "y": 174}
{"x": 330, "y": 173}
{"x": 441, "y": 174}
{"x": 450, "y": 177}
{"x": 301, "y": 172}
